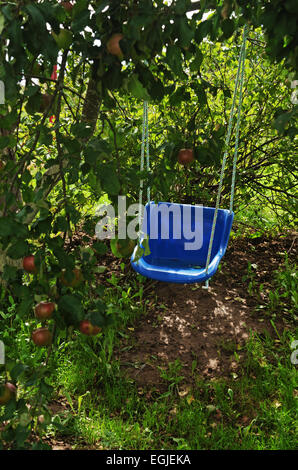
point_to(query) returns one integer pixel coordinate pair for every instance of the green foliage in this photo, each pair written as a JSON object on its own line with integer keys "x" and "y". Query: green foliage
{"x": 285, "y": 295}
{"x": 53, "y": 170}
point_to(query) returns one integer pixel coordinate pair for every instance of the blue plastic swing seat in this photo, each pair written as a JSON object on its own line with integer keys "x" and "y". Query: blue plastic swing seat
{"x": 170, "y": 260}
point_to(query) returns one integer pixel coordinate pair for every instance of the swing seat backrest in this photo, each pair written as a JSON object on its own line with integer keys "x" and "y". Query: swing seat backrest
{"x": 179, "y": 245}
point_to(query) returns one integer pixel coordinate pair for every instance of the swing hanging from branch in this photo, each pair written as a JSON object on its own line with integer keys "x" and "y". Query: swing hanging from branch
{"x": 169, "y": 260}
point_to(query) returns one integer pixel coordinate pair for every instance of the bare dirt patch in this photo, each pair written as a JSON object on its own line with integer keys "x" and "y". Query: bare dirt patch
{"x": 204, "y": 329}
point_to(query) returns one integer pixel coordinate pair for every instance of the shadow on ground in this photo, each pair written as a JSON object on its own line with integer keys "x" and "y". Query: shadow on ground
{"x": 205, "y": 330}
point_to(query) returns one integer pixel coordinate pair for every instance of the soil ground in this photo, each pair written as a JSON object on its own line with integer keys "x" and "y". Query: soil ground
{"x": 203, "y": 328}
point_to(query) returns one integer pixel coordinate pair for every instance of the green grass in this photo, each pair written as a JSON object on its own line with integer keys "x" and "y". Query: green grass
{"x": 256, "y": 409}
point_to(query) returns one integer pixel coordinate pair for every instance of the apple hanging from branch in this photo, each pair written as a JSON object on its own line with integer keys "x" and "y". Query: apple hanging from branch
{"x": 44, "y": 310}
{"x": 185, "y": 156}
{"x": 42, "y": 337}
{"x": 29, "y": 264}
{"x": 68, "y": 6}
{"x": 113, "y": 46}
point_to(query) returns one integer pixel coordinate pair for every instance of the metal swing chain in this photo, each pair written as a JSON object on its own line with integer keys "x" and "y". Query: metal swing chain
{"x": 144, "y": 146}
{"x": 147, "y": 150}
{"x": 238, "y": 119}
{"x": 240, "y": 74}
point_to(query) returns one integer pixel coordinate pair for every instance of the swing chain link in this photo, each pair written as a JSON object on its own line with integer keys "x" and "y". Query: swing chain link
{"x": 240, "y": 75}
{"x": 238, "y": 118}
{"x": 144, "y": 147}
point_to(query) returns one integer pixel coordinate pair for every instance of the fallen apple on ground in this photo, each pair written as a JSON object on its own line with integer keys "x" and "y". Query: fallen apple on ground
{"x": 88, "y": 329}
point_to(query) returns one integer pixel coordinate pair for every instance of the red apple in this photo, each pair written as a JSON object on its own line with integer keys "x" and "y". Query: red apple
{"x": 68, "y": 6}
{"x": 42, "y": 337}
{"x": 44, "y": 310}
{"x": 29, "y": 264}
{"x": 185, "y": 156}
{"x": 113, "y": 46}
{"x": 88, "y": 329}
{"x": 2, "y": 165}
{"x": 7, "y": 392}
{"x": 76, "y": 279}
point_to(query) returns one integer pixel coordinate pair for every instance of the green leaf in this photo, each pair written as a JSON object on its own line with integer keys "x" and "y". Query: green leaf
{"x": 9, "y": 273}
{"x": 7, "y": 227}
{"x": 96, "y": 318}
{"x": 201, "y": 94}
{"x": 100, "y": 248}
{"x": 197, "y": 61}
{"x": 8, "y": 121}
{"x": 146, "y": 246}
{"x": 72, "y": 308}
{"x": 60, "y": 225}
{"x": 18, "y": 250}
{"x": 63, "y": 39}
{"x": 227, "y": 93}
{"x": 281, "y": 121}
{"x": 35, "y": 14}
{"x": 203, "y": 29}
{"x": 138, "y": 254}
{"x": 228, "y": 28}
{"x": 25, "y": 307}
{"x": 186, "y": 33}
{"x": 109, "y": 179}
{"x": 179, "y": 96}
{"x": 135, "y": 87}
{"x": 96, "y": 150}
{"x": 174, "y": 60}
{"x": 81, "y": 21}
{"x": 17, "y": 370}
{"x": 9, "y": 411}
{"x": 45, "y": 388}
{"x": 180, "y": 6}
{"x": 102, "y": 6}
